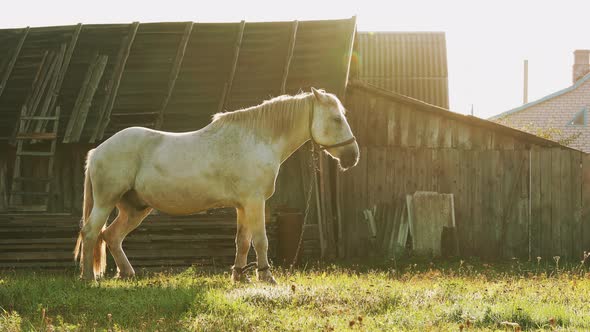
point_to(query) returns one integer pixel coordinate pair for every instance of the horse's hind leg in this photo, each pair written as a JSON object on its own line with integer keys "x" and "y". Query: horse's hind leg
{"x": 90, "y": 235}
{"x": 128, "y": 219}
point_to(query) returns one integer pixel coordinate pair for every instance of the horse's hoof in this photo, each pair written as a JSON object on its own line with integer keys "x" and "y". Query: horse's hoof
{"x": 240, "y": 278}
{"x": 87, "y": 278}
{"x": 270, "y": 281}
{"x": 125, "y": 275}
{"x": 267, "y": 278}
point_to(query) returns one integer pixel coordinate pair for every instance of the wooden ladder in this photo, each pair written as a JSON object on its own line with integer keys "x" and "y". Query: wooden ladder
{"x": 19, "y": 197}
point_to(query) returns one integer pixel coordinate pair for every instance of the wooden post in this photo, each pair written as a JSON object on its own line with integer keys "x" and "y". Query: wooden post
{"x": 289, "y": 56}
{"x": 8, "y": 71}
{"x": 174, "y": 72}
{"x": 227, "y": 91}
{"x": 113, "y": 85}
{"x": 319, "y": 212}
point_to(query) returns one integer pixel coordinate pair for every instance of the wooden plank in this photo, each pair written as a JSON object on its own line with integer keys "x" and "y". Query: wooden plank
{"x": 34, "y": 153}
{"x": 13, "y": 59}
{"x": 29, "y": 193}
{"x": 38, "y": 76}
{"x": 432, "y": 131}
{"x": 565, "y": 204}
{"x": 48, "y": 70}
{"x": 113, "y": 85}
{"x": 232, "y": 73}
{"x": 493, "y": 211}
{"x": 392, "y": 124}
{"x": 52, "y": 158}
{"x": 412, "y": 127}
{"x": 36, "y": 136}
{"x": 339, "y": 221}
{"x": 381, "y": 128}
{"x": 320, "y": 212}
{"x": 52, "y": 92}
{"x": 479, "y": 187}
{"x": 585, "y": 184}
{"x": 32, "y": 179}
{"x": 84, "y": 99}
{"x": 555, "y": 243}
{"x": 445, "y": 137}
{"x": 546, "y": 180}
{"x": 404, "y": 125}
{"x": 348, "y": 56}
{"x": 48, "y": 118}
{"x": 28, "y": 208}
{"x": 419, "y": 119}
{"x": 576, "y": 202}
{"x": 463, "y": 136}
{"x": 514, "y": 165}
{"x": 61, "y": 74}
{"x": 174, "y": 71}
{"x": 329, "y": 198}
{"x": 464, "y": 202}
{"x": 68, "y": 56}
{"x": 535, "y": 205}
{"x": 290, "y": 49}
{"x": 521, "y": 237}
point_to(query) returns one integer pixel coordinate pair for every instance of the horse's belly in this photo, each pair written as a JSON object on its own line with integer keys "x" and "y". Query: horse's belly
{"x": 185, "y": 197}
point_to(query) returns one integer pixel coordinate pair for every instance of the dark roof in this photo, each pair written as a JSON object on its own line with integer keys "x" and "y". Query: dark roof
{"x": 467, "y": 119}
{"x": 176, "y": 75}
{"x": 410, "y": 63}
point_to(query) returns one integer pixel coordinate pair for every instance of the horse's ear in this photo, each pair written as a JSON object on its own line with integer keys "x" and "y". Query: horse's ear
{"x": 319, "y": 96}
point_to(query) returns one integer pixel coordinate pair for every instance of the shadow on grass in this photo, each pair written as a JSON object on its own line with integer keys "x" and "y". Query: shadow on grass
{"x": 149, "y": 301}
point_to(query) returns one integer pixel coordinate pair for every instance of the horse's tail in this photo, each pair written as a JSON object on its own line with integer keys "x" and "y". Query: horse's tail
{"x": 99, "y": 263}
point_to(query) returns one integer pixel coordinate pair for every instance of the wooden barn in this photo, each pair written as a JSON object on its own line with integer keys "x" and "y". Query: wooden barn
{"x": 515, "y": 194}
{"x": 169, "y": 76}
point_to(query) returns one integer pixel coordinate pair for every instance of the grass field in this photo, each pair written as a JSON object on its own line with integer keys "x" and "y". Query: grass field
{"x": 421, "y": 296}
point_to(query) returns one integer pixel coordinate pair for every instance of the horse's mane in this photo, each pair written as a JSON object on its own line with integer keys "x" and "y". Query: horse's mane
{"x": 272, "y": 117}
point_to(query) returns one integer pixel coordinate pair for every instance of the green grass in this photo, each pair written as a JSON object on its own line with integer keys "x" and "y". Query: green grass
{"x": 419, "y": 296}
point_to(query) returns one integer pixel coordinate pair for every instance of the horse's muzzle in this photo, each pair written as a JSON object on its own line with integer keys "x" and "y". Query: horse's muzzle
{"x": 349, "y": 157}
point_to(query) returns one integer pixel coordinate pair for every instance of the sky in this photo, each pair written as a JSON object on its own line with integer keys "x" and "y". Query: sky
{"x": 487, "y": 41}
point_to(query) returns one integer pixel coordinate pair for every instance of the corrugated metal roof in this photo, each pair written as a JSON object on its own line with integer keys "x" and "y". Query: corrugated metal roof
{"x": 318, "y": 56}
{"x": 411, "y": 63}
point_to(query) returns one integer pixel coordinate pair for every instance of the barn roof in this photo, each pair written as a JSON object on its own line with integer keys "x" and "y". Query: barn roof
{"x": 410, "y": 63}
{"x": 172, "y": 76}
{"x": 469, "y": 120}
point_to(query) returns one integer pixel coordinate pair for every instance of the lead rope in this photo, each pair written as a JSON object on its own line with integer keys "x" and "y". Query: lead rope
{"x": 312, "y": 184}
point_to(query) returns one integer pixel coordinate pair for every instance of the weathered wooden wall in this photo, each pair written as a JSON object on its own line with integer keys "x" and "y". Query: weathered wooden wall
{"x": 515, "y": 195}
{"x": 47, "y": 240}
{"x": 67, "y": 186}
{"x": 59, "y": 225}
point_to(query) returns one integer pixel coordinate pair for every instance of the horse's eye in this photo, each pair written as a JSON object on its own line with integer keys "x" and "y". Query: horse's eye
{"x": 337, "y": 120}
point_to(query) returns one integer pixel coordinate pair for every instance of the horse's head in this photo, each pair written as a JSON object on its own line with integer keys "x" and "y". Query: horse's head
{"x": 330, "y": 130}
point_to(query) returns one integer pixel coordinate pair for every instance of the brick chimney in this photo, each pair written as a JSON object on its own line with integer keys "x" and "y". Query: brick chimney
{"x": 581, "y": 64}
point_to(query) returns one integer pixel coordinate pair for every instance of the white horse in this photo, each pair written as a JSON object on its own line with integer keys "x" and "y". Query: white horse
{"x": 232, "y": 162}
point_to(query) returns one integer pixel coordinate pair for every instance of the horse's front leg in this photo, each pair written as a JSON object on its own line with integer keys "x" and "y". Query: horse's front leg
{"x": 243, "y": 239}
{"x": 255, "y": 215}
